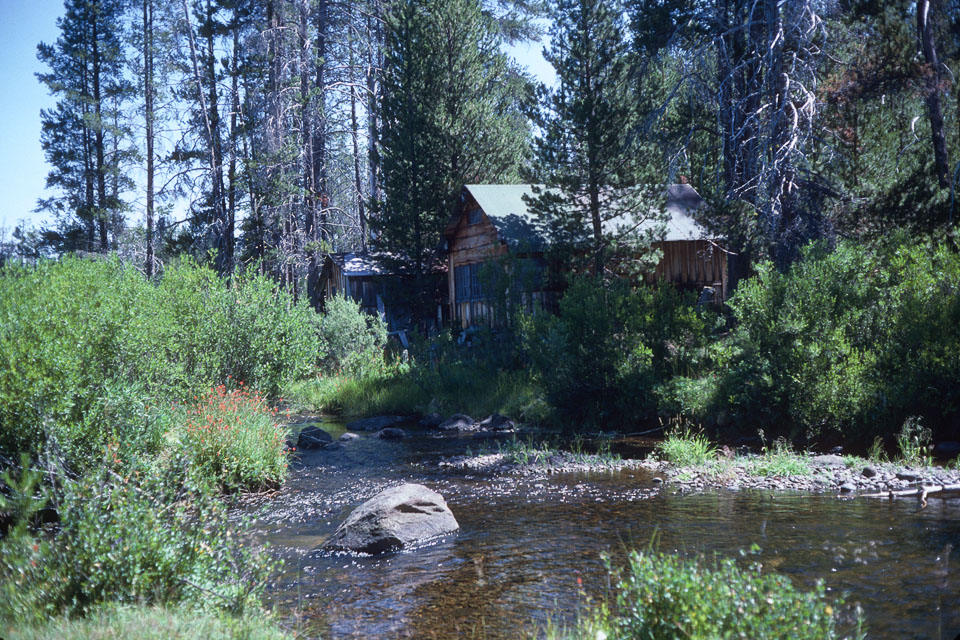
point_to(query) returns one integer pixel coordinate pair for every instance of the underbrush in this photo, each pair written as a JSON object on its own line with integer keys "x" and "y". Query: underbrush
{"x": 91, "y": 349}
{"x": 124, "y": 534}
{"x": 844, "y": 346}
{"x": 460, "y": 387}
{"x": 663, "y": 596}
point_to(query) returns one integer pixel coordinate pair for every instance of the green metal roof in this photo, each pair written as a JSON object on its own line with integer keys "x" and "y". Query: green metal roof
{"x": 504, "y": 205}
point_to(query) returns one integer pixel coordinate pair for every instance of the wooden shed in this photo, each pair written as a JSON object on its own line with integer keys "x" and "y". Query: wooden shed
{"x": 366, "y": 278}
{"x": 492, "y": 221}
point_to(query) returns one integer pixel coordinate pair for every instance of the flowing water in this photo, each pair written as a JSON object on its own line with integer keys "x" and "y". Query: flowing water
{"x": 525, "y": 541}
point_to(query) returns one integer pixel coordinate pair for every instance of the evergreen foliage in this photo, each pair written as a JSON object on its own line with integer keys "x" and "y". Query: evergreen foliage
{"x": 85, "y": 138}
{"x": 450, "y": 116}
{"x": 600, "y": 180}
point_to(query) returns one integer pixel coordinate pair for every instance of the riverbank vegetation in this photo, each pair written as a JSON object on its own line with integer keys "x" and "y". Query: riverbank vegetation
{"x": 128, "y": 408}
{"x": 661, "y": 596}
{"x": 844, "y": 347}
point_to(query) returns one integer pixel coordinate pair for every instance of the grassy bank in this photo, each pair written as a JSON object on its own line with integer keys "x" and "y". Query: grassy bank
{"x": 152, "y": 623}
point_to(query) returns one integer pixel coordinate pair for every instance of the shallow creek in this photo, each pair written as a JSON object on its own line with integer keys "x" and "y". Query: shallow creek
{"x": 524, "y": 542}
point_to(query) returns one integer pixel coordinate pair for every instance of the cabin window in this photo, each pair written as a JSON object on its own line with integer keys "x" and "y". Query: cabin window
{"x": 474, "y": 216}
{"x": 467, "y": 284}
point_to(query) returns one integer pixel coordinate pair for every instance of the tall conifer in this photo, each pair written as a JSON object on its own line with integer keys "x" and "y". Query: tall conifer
{"x": 598, "y": 178}
{"x": 450, "y": 115}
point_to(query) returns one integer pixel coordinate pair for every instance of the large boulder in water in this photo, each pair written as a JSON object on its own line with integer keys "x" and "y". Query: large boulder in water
{"x": 394, "y": 519}
{"x": 497, "y": 422}
{"x": 374, "y": 424}
{"x": 457, "y": 422}
{"x": 312, "y": 437}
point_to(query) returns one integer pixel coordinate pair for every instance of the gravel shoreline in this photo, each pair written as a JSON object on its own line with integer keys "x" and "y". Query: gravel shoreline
{"x": 826, "y": 473}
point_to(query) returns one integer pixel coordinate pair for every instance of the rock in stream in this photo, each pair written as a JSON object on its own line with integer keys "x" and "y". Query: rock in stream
{"x": 394, "y": 519}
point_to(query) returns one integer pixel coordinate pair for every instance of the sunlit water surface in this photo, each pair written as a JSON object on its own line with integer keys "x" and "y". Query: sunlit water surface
{"x": 524, "y": 542}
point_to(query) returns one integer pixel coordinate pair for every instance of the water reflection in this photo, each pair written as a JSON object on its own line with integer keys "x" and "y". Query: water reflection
{"x": 524, "y": 542}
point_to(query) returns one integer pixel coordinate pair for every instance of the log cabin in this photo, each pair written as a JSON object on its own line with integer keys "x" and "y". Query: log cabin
{"x": 493, "y": 221}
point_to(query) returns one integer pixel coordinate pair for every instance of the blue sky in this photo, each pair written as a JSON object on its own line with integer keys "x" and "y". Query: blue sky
{"x": 25, "y": 23}
{"x": 23, "y": 170}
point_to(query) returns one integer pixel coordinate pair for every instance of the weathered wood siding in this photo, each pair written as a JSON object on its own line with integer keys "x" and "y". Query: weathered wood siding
{"x": 692, "y": 264}
{"x": 471, "y": 244}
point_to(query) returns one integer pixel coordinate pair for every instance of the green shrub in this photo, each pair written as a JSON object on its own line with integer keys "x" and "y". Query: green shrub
{"x": 846, "y": 343}
{"x": 684, "y": 448}
{"x": 87, "y": 346}
{"x": 662, "y": 597}
{"x": 353, "y": 341}
{"x": 233, "y": 439}
{"x": 138, "y": 537}
{"x": 590, "y": 359}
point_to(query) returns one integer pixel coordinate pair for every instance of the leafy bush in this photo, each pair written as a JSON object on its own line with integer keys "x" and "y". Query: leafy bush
{"x": 590, "y": 359}
{"x": 86, "y": 346}
{"x": 661, "y": 597}
{"x": 846, "y": 343}
{"x": 141, "y": 537}
{"x": 232, "y": 438}
{"x": 353, "y": 341}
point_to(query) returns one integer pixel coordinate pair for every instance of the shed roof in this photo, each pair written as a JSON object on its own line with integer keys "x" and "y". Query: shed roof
{"x": 359, "y": 264}
{"x": 356, "y": 264}
{"x": 504, "y": 205}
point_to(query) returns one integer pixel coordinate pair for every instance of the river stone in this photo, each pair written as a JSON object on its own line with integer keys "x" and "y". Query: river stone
{"x": 394, "y": 519}
{"x": 374, "y": 424}
{"x": 848, "y": 487}
{"x": 828, "y": 460}
{"x": 869, "y": 472}
{"x": 346, "y": 437}
{"x": 392, "y": 433}
{"x": 908, "y": 475}
{"x": 313, "y": 438}
{"x": 497, "y": 422}
{"x": 456, "y": 422}
{"x": 431, "y": 420}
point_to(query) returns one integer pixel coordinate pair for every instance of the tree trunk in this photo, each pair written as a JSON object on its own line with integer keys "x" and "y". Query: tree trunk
{"x": 355, "y": 134}
{"x": 927, "y": 44}
{"x": 374, "y": 67}
{"x": 99, "y": 141}
{"x": 148, "y": 108}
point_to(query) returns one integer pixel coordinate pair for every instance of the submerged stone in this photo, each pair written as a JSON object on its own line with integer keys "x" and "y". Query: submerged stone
{"x": 393, "y": 519}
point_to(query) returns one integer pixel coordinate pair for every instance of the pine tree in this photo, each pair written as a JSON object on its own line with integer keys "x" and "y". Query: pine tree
{"x": 598, "y": 175}
{"x": 450, "y": 115}
{"x": 84, "y": 136}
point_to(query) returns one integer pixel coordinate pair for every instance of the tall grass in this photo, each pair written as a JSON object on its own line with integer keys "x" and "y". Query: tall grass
{"x": 151, "y": 623}
{"x": 684, "y": 448}
{"x": 451, "y": 388}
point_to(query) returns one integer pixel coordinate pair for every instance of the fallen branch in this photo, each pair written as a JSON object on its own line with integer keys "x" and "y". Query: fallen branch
{"x": 921, "y": 493}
